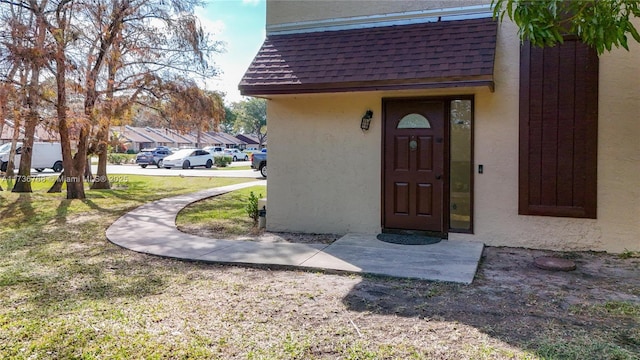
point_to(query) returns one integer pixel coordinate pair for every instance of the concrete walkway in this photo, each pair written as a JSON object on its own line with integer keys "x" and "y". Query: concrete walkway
{"x": 151, "y": 229}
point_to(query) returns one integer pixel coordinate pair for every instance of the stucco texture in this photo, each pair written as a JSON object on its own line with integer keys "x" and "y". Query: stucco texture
{"x": 325, "y": 173}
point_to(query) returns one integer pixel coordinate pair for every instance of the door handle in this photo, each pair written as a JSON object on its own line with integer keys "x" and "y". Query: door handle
{"x": 438, "y": 177}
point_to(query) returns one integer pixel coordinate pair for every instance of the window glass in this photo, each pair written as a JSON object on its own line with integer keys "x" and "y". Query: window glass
{"x": 414, "y": 121}
{"x": 460, "y": 164}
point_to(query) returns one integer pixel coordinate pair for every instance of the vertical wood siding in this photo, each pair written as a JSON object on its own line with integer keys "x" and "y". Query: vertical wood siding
{"x": 558, "y": 130}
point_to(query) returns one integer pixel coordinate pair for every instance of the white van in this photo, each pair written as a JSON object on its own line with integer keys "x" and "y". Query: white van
{"x": 45, "y": 155}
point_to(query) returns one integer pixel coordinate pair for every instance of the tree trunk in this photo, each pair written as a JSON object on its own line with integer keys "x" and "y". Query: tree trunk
{"x": 101, "y": 181}
{"x": 88, "y": 174}
{"x": 57, "y": 186}
{"x": 75, "y": 182}
{"x": 70, "y": 173}
{"x": 23, "y": 180}
{"x": 5, "y": 91}
{"x": 32, "y": 101}
{"x": 12, "y": 153}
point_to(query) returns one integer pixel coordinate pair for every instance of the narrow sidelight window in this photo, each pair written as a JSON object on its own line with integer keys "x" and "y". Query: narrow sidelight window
{"x": 460, "y": 166}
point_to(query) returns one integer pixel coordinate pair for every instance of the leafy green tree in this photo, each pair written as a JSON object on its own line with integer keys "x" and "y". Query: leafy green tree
{"x": 228, "y": 123}
{"x": 251, "y": 118}
{"x": 601, "y": 24}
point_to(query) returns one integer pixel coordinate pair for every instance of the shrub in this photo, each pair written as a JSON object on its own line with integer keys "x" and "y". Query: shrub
{"x": 117, "y": 159}
{"x": 222, "y": 161}
{"x": 252, "y": 207}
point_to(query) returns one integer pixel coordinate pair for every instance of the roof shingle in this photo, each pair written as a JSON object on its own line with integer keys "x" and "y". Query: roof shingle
{"x": 437, "y": 54}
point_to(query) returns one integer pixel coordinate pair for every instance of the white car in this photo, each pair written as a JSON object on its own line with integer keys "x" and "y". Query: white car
{"x": 214, "y": 150}
{"x": 236, "y": 154}
{"x": 188, "y": 159}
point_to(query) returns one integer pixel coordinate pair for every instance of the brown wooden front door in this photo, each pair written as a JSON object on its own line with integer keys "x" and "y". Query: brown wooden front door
{"x": 414, "y": 148}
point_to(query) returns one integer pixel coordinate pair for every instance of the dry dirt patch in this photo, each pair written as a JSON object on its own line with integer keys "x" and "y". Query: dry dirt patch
{"x": 511, "y": 303}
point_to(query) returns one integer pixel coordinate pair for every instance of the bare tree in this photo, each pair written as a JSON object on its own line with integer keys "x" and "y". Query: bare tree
{"x": 24, "y": 46}
{"x": 148, "y": 41}
{"x": 197, "y": 110}
{"x": 106, "y": 53}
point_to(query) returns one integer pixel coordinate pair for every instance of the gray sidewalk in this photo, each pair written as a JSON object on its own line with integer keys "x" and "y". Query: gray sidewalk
{"x": 151, "y": 229}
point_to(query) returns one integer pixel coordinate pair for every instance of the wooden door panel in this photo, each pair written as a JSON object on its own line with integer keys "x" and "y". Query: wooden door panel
{"x": 401, "y": 158}
{"x": 425, "y": 153}
{"x": 402, "y": 202}
{"x": 424, "y": 198}
{"x": 414, "y": 167}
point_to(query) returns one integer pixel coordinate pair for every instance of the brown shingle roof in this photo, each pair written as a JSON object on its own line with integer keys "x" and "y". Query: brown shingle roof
{"x": 129, "y": 134}
{"x": 437, "y": 54}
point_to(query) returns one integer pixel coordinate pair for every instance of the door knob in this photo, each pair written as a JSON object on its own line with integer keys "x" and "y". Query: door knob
{"x": 438, "y": 177}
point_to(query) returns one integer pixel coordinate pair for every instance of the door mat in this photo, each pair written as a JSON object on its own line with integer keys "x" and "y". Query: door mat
{"x": 408, "y": 239}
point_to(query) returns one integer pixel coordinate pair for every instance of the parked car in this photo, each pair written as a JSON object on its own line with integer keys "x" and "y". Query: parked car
{"x": 259, "y": 162}
{"x": 152, "y": 156}
{"x": 214, "y": 150}
{"x": 253, "y": 151}
{"x": 236, "y": 154}
{"x": 188, "y": 159}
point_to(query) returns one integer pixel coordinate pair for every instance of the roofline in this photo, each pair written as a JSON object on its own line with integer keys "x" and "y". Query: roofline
{"x": 371, "y": 21}
{"x": 159, "y": 133}
{"x": 289, "y": 89}
{"x": 139, "y": 133}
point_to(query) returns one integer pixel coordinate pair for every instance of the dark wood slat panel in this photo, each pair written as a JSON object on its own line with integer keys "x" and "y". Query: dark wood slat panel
{"x": 524, "y": 188}
{"x": 536, "y": 83}
{"x": 549, "y": 164}
{"x": 566, "y": 124}
{"x": 591, "y": 129}
{"x": 558, "y": 130}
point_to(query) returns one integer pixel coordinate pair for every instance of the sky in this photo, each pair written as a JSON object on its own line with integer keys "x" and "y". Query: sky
{"x": 240, "y": 24}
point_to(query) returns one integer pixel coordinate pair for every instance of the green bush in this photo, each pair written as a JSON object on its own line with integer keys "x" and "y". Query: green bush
{"x": 222, "y": 161}
{"x": 117, "y": 159}
{"x": 252, "y": 207}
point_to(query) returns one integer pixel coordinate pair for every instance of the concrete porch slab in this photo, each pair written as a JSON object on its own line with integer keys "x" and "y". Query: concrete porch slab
{"x": 454, "y": 261}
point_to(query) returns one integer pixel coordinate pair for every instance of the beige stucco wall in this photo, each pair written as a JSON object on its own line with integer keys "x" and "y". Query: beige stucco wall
{"x": 287, "y": 11}
{"x": 325, "y": 173}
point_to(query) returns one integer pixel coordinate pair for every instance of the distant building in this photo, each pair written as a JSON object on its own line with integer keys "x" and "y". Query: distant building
{"x": 252, "y": 141}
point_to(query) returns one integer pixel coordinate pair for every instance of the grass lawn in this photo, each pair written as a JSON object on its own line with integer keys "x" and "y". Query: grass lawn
{"x": 225, "y": 214}
{"x": 66, "y": 292}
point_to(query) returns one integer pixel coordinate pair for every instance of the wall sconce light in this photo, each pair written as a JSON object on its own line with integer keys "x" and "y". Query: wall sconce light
{"x": 366, "y": 120}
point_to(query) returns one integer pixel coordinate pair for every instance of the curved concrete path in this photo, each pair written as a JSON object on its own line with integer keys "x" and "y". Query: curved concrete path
{"x": 151, "y": 229}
